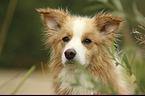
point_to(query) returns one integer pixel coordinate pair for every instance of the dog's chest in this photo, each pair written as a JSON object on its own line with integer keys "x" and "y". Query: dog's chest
{"x": 75, "y": 81}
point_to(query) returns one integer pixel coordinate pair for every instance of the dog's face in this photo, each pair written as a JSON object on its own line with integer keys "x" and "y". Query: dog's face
{"x": 78, "y": 42}
{"x": 77, "y": 39}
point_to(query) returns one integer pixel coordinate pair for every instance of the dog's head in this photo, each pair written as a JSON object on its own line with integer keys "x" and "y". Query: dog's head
{"x": 78, "y": 39}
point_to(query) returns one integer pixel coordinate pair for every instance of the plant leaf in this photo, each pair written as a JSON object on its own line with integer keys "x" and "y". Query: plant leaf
{"x": 117, "y": 63}
{"x": 112, "y": 47}
{"x": 113, "y": 57}
{"x": 138, "y": 14}
{"x": 118, "y": 4}
{"x": 125, "y": 59}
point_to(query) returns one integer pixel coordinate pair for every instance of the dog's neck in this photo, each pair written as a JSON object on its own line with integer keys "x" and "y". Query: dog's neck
{"x": 75, "y": 81}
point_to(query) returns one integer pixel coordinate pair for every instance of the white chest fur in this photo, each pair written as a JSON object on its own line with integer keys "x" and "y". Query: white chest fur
{"x": 69, "y": 77}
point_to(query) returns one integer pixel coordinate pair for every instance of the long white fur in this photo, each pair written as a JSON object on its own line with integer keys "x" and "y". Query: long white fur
{"x": 67, "y": 77}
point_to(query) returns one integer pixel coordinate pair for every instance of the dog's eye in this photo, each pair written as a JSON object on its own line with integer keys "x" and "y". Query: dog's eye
{"x": 65, "y": 39}
{"x": 87, "y": 41}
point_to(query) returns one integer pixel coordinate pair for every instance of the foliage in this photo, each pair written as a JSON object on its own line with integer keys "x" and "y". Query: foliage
{"x": 132, "y": 62}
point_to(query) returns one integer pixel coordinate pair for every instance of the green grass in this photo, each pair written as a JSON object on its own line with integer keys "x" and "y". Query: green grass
{"x": 26, "y": 76}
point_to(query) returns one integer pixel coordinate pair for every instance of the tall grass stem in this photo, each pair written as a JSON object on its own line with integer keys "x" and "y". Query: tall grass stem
{"x": 7, "y": 22}
{"x": 27, "y": 75}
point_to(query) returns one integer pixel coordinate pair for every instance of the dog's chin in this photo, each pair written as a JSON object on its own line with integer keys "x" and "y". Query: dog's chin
{"x": 73, "y": 64}
{"x": 70, "y": 64}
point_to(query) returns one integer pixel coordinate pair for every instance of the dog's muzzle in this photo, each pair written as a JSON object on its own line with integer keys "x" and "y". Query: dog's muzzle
{"x": 71, "y": 57}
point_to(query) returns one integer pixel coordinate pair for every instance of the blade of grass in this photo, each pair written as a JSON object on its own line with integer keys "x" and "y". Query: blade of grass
{"x": 7, "y": 81}
{"x": 110, "y": 52}
{"x": 112, "y": 47}
{"x": 118, "y": 4}
{"x": 43, "y": 71}
{"x": 27, "y": 75}
{"x": 138, "y": 15}
{"x": 125, "y": 59}
{"x": 7, "y": 22}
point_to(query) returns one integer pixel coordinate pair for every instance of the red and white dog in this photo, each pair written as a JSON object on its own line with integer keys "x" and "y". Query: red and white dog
{"x": 75, "y": 39}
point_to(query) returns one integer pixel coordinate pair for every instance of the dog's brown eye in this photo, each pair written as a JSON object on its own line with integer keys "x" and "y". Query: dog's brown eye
{"x": 65, "y": 39}
{"x": 87, "y": 41}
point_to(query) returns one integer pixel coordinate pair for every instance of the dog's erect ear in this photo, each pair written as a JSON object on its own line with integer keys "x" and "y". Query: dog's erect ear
{"x": 53, "y": 18}
{"x": 107, "y": 23}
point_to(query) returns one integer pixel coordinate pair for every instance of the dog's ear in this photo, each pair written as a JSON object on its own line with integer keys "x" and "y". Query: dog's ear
{"x": 107, "y": 23}
{"x": 53, "y": 18}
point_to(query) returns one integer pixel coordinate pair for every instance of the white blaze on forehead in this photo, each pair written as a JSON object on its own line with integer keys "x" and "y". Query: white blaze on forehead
{"x": 76, "y": 42}
{"x": 78, "y": 28}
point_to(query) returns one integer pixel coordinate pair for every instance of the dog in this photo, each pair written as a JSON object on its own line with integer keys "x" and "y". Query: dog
{"x": 80, "y": 40}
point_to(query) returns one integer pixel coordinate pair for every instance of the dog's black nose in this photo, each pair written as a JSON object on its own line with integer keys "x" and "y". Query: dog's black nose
{"x": 70, "y": 54}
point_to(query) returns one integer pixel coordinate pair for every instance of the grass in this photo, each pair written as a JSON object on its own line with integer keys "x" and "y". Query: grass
{"x": 26, "y": 76}
{"x": 22, "y": 82}
{"x": 7, "y": 22}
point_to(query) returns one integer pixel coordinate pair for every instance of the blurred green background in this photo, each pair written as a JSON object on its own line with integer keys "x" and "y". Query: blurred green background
{"x": 23, "y": 45}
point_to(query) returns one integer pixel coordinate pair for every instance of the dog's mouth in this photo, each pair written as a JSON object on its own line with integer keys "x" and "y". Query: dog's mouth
{"x": 71, "y": 64}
